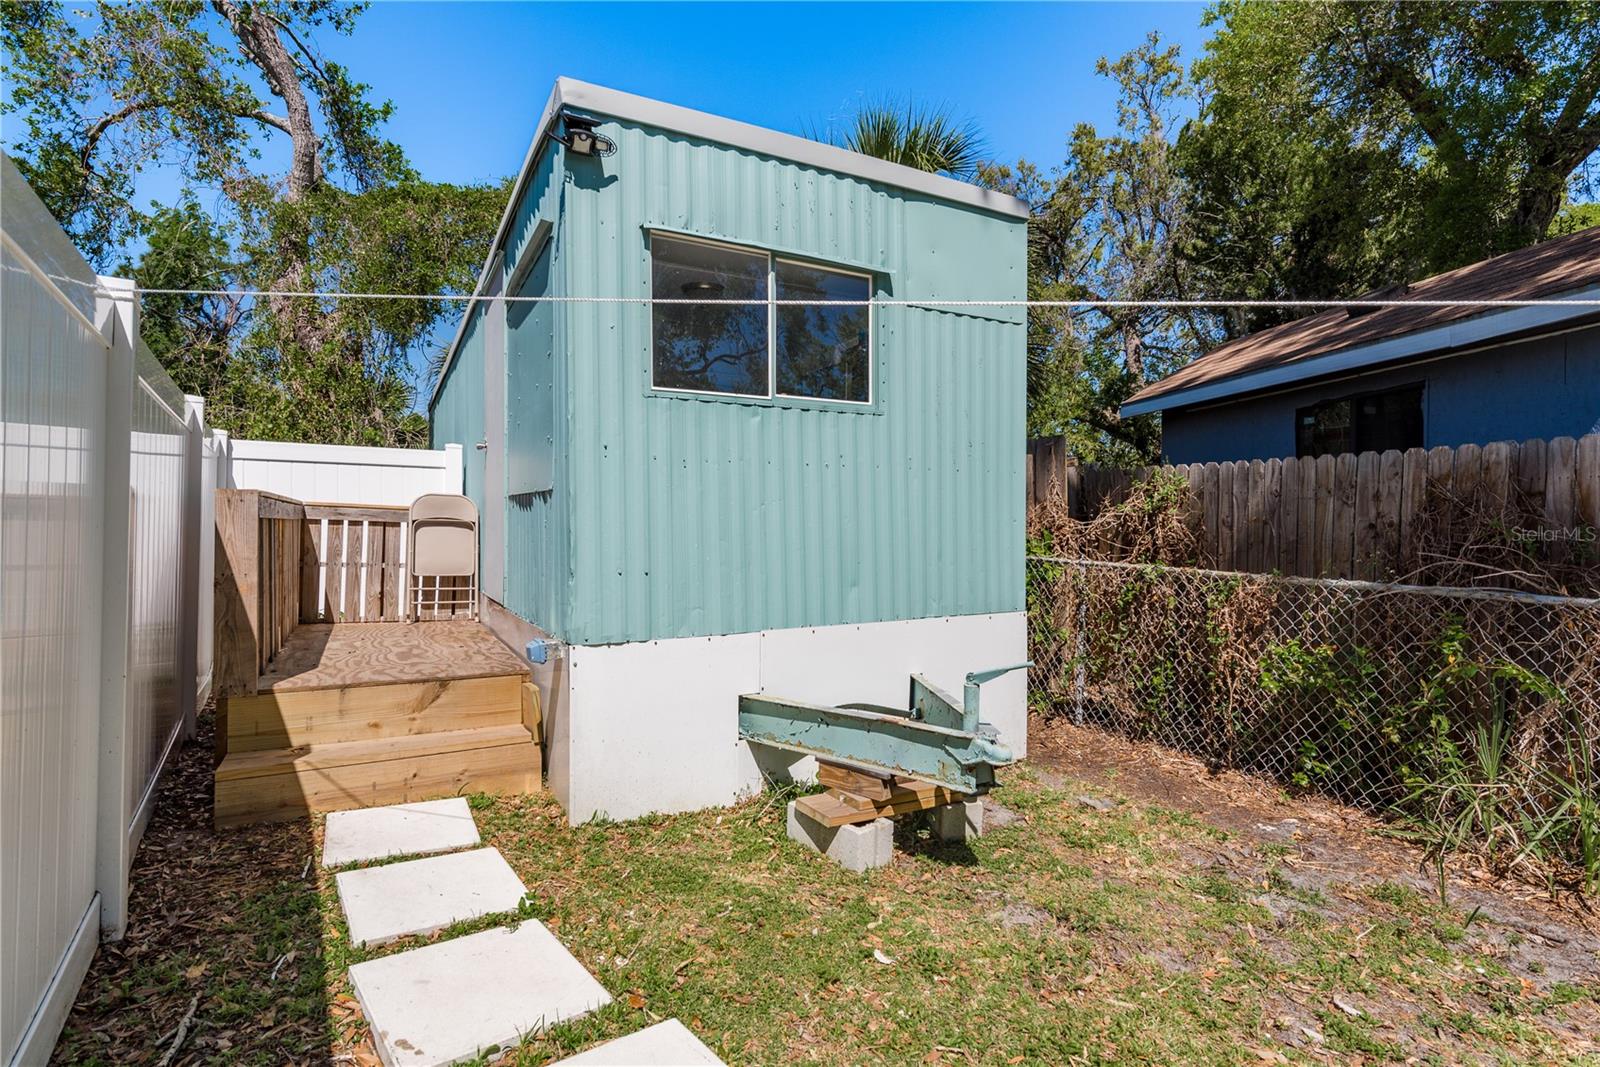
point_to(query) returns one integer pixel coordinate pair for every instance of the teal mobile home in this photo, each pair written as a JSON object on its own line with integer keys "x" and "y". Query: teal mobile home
{"x": 743, "y": 492}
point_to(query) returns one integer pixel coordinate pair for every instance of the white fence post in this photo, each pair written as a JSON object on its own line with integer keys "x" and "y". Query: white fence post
{"x": 454, "y": 470}
{"x": 193, "y": 531}
{"x": 118, "y": 315}
{"x": 205, "y": 613}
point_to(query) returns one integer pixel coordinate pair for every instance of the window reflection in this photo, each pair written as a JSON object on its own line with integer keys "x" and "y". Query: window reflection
{"x": 822, "y": 350}
{"x": 719, "y": 348}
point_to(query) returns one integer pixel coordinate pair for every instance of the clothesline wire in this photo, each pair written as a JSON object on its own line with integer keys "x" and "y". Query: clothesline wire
{"x": 275, "y": 294}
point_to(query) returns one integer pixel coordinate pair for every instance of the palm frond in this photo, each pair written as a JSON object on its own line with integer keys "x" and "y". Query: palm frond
{"x": 915, "y": 135}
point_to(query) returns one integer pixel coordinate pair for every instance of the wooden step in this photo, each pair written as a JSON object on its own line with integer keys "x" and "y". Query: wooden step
{"x": 279, "y": 719}
{"x": 287, "y": 783}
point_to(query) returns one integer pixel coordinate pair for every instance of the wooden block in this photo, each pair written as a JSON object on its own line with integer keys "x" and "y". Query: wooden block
{"x": 286, "y": 719}
{"x": 532, "y": 717}
{"x": 850, "y": 780}
{"x": 854, "y": 800}
{"x": 830, "y": 810}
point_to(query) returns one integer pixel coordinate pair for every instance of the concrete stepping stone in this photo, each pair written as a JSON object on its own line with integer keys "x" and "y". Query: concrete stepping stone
{"x": 421, "y": 896}
{"x": 668, "y": 1044}
{"x": 397, "y": 830}
{"x": 457, "y": 999}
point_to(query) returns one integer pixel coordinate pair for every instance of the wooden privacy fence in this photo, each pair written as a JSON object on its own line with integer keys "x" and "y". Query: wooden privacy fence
{"x": 1353, "y": 515}
{"x": 282, "y": 563}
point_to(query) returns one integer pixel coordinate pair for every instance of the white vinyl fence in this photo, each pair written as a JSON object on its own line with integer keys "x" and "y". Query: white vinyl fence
{"x": 101, "y": 567}
{"x": 340, "y": 474}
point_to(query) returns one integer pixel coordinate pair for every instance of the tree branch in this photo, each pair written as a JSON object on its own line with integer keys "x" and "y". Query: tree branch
{"x": 104, "y": 123}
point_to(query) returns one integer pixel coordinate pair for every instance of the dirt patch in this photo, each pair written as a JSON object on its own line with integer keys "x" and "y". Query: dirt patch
{"x": 1309, "y": 854}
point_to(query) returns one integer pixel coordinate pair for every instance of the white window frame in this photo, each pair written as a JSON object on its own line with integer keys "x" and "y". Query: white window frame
{"x": 773, "y": 259}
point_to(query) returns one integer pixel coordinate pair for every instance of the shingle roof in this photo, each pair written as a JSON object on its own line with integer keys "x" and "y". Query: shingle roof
{"x": 1539, "y": 271}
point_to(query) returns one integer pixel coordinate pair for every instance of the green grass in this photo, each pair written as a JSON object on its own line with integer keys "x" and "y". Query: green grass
{"x": 1071, "y": 935}
{"x": 1124, "y": 954}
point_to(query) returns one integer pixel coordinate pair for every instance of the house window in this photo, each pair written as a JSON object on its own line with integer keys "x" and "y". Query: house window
{"x": 822, "y": 349}
{"x": 765, "y": 348}
{"x": 1366, "y": 422}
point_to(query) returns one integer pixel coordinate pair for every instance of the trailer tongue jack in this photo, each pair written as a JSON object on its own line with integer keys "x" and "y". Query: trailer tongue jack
{"x": 880, "y": 761}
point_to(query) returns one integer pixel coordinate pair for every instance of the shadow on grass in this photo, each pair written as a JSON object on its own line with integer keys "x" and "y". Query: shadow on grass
{"x": 914, "y": 836}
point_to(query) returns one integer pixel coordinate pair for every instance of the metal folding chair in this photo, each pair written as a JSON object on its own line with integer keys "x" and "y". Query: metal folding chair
{"x": 444, "y": 544}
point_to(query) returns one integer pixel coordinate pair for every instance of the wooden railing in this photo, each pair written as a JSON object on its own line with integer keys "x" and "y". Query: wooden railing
{"x": 257, "y": 601}
{"x": 282, "y": 563}
{"x": 353, "y": 568}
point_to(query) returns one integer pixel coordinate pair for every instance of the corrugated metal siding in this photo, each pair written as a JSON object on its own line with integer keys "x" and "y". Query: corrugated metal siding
{"x": 538, "y": 530}
{"x": 696, "y": 516}
{"x": 457, "y": 412}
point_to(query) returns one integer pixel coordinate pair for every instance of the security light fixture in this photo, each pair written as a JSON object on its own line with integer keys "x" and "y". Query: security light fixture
{"x": 581, "y": 138}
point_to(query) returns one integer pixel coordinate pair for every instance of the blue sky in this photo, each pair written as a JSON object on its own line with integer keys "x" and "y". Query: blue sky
{"x": 468, "y": 79}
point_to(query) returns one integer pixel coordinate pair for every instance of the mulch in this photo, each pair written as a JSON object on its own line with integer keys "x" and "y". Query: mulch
{"x": 227, "y": 921}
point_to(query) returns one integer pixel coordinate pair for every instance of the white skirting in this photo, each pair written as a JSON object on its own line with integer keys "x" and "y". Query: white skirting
{"x": 652, "y": 726}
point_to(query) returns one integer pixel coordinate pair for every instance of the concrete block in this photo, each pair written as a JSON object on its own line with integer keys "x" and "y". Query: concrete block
{"x": 958, "y": 822}
{"x": 860, "y": 847}
{"x": 421, "y": 896}
{"x": 667, "y": 1044}
{"x": 457, "y": 999}
{"x": 397, "y": 830}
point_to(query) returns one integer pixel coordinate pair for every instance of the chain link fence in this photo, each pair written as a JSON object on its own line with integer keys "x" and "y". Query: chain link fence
{"x": 1387, "y": 696}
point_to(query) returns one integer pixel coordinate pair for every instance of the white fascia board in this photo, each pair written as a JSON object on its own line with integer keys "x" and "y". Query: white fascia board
{"x": 1477, "y": 330}
{"x": 597, "y": 99}
{"x": 787, "y": 146}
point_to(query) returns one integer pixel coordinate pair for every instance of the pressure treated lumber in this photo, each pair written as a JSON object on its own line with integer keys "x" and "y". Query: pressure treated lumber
{"x": 289, "y": 783}
{"x": 852, "y": 780}
{"x": 321, "y": 655}
{"x": 831, "y": 809}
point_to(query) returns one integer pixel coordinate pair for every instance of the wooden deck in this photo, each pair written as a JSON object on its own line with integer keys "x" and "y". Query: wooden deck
{"x": 341, "y": 655}
{"x": 360, "y": 714}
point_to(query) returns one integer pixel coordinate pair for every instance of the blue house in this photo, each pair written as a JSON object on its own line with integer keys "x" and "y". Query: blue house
{"x": 1361, "y": 380}
{"x": 699, "y": 500}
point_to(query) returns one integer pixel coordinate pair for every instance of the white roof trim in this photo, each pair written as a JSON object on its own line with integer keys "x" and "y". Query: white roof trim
{"x": 1450, "y": 335}
{"x": 823, "y": 156}
{"x": 598, "y": 99}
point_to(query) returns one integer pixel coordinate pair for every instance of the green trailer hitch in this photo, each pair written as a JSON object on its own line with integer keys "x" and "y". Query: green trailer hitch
{"x": 935, "y": 739}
